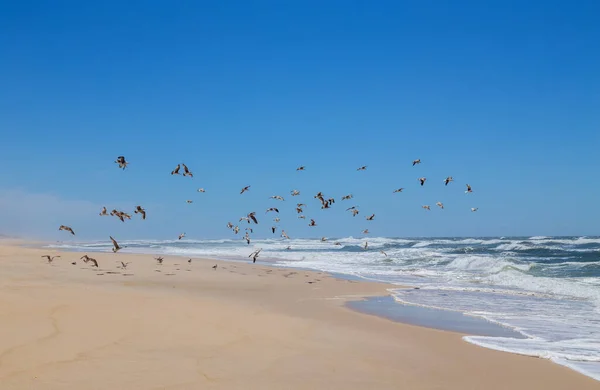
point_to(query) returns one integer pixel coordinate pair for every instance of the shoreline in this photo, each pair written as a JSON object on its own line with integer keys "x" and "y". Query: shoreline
{"x": 311, "y": 316}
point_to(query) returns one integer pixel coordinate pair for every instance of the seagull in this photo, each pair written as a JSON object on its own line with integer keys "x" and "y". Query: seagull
{"x": 236, "y": 230}
{"x": 273, "y": 228}
{"x": 159, "y": 259}
{"x": 312, "y": 223}
{"x": 187, "y": 172}
{"x": 422, "y": 180}
{"x": 124, "y": 265}
{"x": 176, "y": 170}
{"x": 299, "y": 210}
{"x": 140, "y": 210}
{"x": 276, "y": 219}
{"x": 355, "y": 212}
{"x": 85, "y": 258}
{"x": 66, "y": 228}
{"x": 398, "y": 190}
{"x": 371, "y": 217}
{"x": 254, "y": 254}
{"x": 214, "y": 267}
{"x": 448, "y": 180}
{"x": 295, "y": 192}
{"x": 50, "y": 258}
{"x": 347, "y": 197}
{"x": 249, "y": 229}
{"x": 189, "y": 201}
{"x": 440, "y": 205}
{"x": 300, "y": 205}
{"x": 115, "y": 248}
{"x": 383, "y": 253}
{"x": 284, "y": 234}
{"x": 247, "y": 238}
{"x": 426, "y": 207}
{"x": 244, "y": 189}
{"x": 473, "y": 209}
{"x": 469, "y": 190}
{"x": 229, "y": 225}
{"x": 366, "y": 231}
{"x": 252, "y": 216}
{"x": 417, "y": 161}
{"x": 277, "y": 197}
{"x": 302, "y": 168}
{"x": 363, "y": 168}
{"x": 302, "y": 216}
{"x": 103, "y": 212}
{"x": 244, "y": 219}
{"x": 201, "y": 190}
{"x": 121, "y": 161}
{"x": 181, "y": 236}
{"x": 94, "y": 262}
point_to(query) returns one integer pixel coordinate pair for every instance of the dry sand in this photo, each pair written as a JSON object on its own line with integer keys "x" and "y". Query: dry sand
{"x": 242, "y": 326}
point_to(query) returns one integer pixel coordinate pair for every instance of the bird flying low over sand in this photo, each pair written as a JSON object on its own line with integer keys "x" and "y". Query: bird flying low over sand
{"x": 244, "y": 189}
{"x": 469, "y": 190}
{"x": 103, "y": 212}
{"x": 398, "y": 190}
{"x": 301, "y": 168}
{"x": 426, "y": 207}
{"x": 66, "y": 228}
{"x": 176, "y": 170}
{"x": 363, "y": 168}
{"x": 371, "y": 217}
{"x": 214, "y": 267}
{"x": 277, "y": 197}
{"x": 347, "y": 197}
{"x": 49, "y": 258}
{"x": 295, "y": 192}
{"x": 448, "y": 180}
{"x": 94, "y": 262}
{"x": 85, "y": 258}
{"x": 440, "y": 205}
{"x": 140, "y": 210}
{"x": 417, "y": 161}
{"x": 422, "y": 180}
{"x": 115, "y": 247}
{"x": 312, "y": 223}
{"x": 159, "y": 259}
{"x": 273, "y": 209}
{"x": 181, "y": 236}
{"x": 473, "y": 209}
{"x": 186, "y": 171}
{"x": 122, "y": 162}
{"x": 254, "y": 254}
{"x": 124, "y": 265}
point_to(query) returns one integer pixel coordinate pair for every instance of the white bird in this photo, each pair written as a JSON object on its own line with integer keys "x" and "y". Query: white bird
{"x": 440, "y": 205}
{"x": 473, "y": 209}
{"x": 201, "y": 190}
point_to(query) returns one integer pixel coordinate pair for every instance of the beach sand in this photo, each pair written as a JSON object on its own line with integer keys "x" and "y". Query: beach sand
{"x": 242, "y": 326}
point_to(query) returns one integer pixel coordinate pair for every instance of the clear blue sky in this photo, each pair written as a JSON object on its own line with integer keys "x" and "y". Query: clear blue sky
{"x": 503, "y": 95}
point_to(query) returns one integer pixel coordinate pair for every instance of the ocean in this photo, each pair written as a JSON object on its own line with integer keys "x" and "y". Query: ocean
{"x": 545, "y": 288}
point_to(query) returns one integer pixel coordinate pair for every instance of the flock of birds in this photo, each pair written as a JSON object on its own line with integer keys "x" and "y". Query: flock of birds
{"x": 251, "y": 218}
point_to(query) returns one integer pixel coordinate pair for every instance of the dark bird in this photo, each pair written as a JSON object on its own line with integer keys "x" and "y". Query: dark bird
{"x": 273, "y": 228}
{"x": 417, "y": 161}
{"x": 181, "y": 236}
{"x": 254, "y": 254}
{"x": 312, "y": 223}
{"x": 115, "y": 248}
{"x": 140, "y": 210}
{"x": 189, "y": 260}
{"x": 67, "y": 229}
{"x": 422, "y": 180}
{"x": 121, "y": 161}
{"x": 252, "y": 216}
{"x": 244, "y": 189}
{"x": 469, "y": 190}
{"x": 124, "y": 265}
{"x": 85, "y": 258}
{"x": 94, "y": 262}
{"x": 363, "y": 168}
{"x": 176, "y": 170}
{"x": 398, "y": 190}
{"x": 370, "y": 217}
{"x": 159, "y": 259}
{"x": 448, "y": 180}
{"x": 302, "y": 168}
{"x": 103, "y": 212}
{"x": 214, "y": 267}
{"x": 273, "y": 209}
{"x": 186, "y": 171}
{"x": 50, "y": 258}
{"x": 347, "y": 197}
{"x": 295, "y": 192}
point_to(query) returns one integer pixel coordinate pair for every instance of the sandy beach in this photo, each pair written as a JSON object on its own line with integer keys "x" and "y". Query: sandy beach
{"x": 183, "y": 325}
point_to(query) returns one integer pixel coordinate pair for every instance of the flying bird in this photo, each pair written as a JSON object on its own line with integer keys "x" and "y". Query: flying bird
{"x": 50, "y": 258}
{"x": 189, "y": 201}
{"x": 295, "y": 192}
{"x": 201, "y": 190}
{"x": 159, "y": 259}
{"x": 284, "y": 234}
{"x": 140, "y": 210}
{"x": 186, "y": 171}
{"x": 323, "y": 239}
{"x": 229, "y": 225}
{"x": 176, "y": 170}
{"x": 277, "y": 197}
{"x": 273, "y": 228}
{"x": 398, "y": 190}
{"x": 115, "y": 248}
{"x": 214, "y": 267}
{"x": 124, "y": 265}
{"x": 66, "y": 228}
{"x": 366, "y": 245}
{"x": 312, "y": 223}
{"x": 383, "y": 253}
{"x": 103, "y": 212}
{"x": 347, "y": 197}
{"x": 426, "y": 207}
{"x": 469, "y": 190}
{"x": 254, "y": 254}
{"x": 181, "y": 236}
{"x": 448, "y": 180}
{"x": 422, "y": 180}
{"x": 85, "y": 258}
{"x": 252, "y": 216}
{"x": 366, "y": 231}
{"x": 94, "y": 262}
{"x": 473, "y": 209}
{"x": 302, "y": 216}
{"x": 302, "y": 168}
{"x": 371, "y": 217}
{"x": 121, "y": 161}
{"x": 417, "y": 161}
{"x": 244, "y": 189}
{"x": 354, "y": 212}
{"x": 276, "y": 219}
{"x": 363, "y": 168}
{"x": 440, "y": 205}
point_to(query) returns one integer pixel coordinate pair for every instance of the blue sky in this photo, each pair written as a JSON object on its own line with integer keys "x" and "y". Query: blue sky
{"x": 502, "y": 95}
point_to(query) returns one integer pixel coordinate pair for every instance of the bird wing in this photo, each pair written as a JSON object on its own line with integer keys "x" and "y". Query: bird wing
{"x": 115, "y": 244}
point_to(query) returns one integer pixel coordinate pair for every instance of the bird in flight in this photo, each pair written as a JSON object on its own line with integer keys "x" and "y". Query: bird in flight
{"x": 417, "y": 161}
{"x": 176, "y": 170}
{"x": 473, "y": 209}
{"x": 115, "y": 247}
{"x": 273, "y": 228}
{"x": 422, "y": 180}
{"x": 244, "y": 189}
{"x": 301, "y": 168}
{"x": 363, "y": 168}
{"x": 85, "y": 258}
{"x": 370, "y": 217}
{"x": 277, "y": 197}
{"x": 140, "y": 210}
{"x": 181, "y": 236}
{"x": 50, "y": 258}
{"x": 201, "y": 190}
{"x": 448, "y": 180}
{"x": 94, "y": 262}
{"x": 159, "y": 259}
{"x": 469, "y": 190}
{"x": 383, "y": 253}
{"x": 366, "y": 245}
{"x": 426, "y": 207}
{"x": 295, "y": 192}
{"x": 103, "y": 212}
{"x": 66, "y": 228}
{"x": 189, "y": 201}
{"x": 276, "y": 219}
{"x": 354, "y": 212}
{"x": 273, "y": 209}
{"x": 347, "y": 197}
{"x": 254, "y": 254}
{"x": 186, "y": 171}
{"x": 323, "y": 239}
{"x": 440, "y": 205}
{"x": 284, "y": 234}
{"x": 121, "y": 161}
{"x": 366, "y": 231}
{"x": 252, "y": 216}
{"x": 312, "y": 223}
{"x": 124, "y": 265}
{"x": 302, "y": 216}
{"x": 398, "y": 190}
